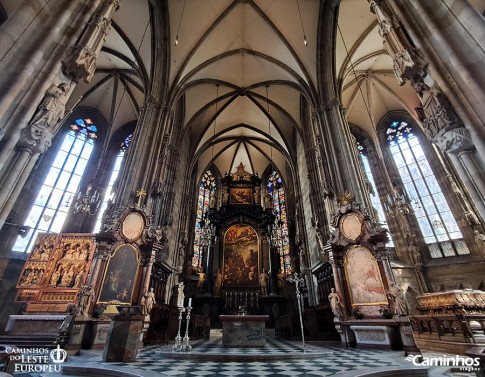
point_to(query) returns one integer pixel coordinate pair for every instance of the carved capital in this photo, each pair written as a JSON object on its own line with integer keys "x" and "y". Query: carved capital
{"x": 102, "y": 253}
{"x": 332, "y": 103}
{"x": 410, "y": 65}
{"x": 34, "y": 139}
{"x": 454, "y": 141}
{"x": 151, "y": 100}
{"x": 439, "y": 115}
{"x": 80, "y": 63}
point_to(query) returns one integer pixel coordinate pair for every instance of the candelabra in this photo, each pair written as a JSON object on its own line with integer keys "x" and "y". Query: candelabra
{"x": 186, "y": 340}
{"x": 178, "y": 339}
{"x": 88, "y": 202}
{"x": 183, "y": 344}
{"x": 300, "y": 283}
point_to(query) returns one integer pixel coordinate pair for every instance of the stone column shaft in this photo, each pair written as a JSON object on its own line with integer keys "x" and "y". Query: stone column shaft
{"x": 451, "y": 34}
{"x": 441, "y": 124}
{"x": 347, "y": 174}
{"x": 145, "y": 139}
{"x": 10, "y": 188}
{"x": 44, "y": 31}
{"x": 475, "y": 172}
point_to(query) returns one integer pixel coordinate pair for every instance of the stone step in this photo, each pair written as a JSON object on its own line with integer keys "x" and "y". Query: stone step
{"x": 29, "y": 340}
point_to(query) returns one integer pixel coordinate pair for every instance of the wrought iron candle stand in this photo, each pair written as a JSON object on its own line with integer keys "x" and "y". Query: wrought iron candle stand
{"x": 300, "y": 283}
{"x": 186, "y": 341}
{"x": 178, "y": 339}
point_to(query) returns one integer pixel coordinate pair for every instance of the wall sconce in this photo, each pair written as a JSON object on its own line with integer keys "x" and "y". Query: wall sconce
{"x": 88, "y": 202}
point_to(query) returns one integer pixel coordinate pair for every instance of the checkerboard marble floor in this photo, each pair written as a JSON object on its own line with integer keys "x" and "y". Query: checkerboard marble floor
{"x": 276, "y": 359}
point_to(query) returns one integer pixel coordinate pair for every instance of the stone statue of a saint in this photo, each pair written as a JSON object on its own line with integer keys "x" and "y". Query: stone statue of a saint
{"x": 147, "y": 302}
{"x": 267, "y": 201}
{"x": 84, "y": 298}
{"x": 51, "y": 109}
{"x": 212, "y": 200}
{"x": 257, "y": 195}
{"x": 200, "y": 283}
{"x": 225, "y": 195}
{"x": 218, "y": 279}
{"x": 479, "y": 239}
{"x": 396, "y": 295}
{"x": 335, "y": 303}
{"x": 180, "y": 295}
{"x": 320, "y": 239}
{"x": 263, "y": 282}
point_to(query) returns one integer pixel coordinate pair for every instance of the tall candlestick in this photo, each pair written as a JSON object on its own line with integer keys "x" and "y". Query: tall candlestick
{"x": 190, "y": 302}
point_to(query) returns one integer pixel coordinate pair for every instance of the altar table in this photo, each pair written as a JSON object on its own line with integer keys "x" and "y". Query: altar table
{"x": 243, "y": 330}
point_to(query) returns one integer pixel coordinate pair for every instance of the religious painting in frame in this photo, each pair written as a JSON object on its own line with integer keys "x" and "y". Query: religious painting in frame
{"x": 241, "y": 257}
{"x": 119, "y": 279}
{"x": 241, "y": 195}
{"x": 363, "y": 277}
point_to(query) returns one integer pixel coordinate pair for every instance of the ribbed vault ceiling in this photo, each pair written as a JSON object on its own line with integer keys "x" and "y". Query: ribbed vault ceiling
{"x": 240, "y": 68}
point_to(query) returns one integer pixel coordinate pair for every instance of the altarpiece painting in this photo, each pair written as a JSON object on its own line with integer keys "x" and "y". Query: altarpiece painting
{"x": 363, "y": 277}
{"x": 120, "y": 276}
{"x": 241, "y": 257}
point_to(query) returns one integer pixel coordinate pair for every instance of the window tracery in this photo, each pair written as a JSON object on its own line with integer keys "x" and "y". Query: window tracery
{"x": 51, "y": 205}
{"x": 276, "y": 190}
{"x": 207, "y": 187}
{"x": 109, "y": 193}
{"x": 437, "y": 224}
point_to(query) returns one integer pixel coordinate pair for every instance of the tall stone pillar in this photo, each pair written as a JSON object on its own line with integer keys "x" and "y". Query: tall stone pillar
{"x": 338, "y": 142}
{"x": 37, "y": 34}
{"x": 440, "y": 122}
{"x": 450, "y": 33}
{"x": 58, "y": 25}
{"x": 35, "y": 139}
{"x": 146, "y": 140}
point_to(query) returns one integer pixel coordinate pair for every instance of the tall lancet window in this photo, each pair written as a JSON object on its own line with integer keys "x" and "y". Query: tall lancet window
{"x": 206, "y": 187}
{"x": 61, "y": 183}
{"x": 432, "y": 212}
{"x": 378, "y": 214}
{"x": 280, "y": 233}
{"x": 109, "y": 195}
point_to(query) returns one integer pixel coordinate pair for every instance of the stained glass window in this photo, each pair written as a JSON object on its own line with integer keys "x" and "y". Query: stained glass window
{"x": 109, "y": 195}
{"x": 277, "y": 191}
{"x": 430, "y": 207}
{"x": 374, "y": 197}
{"x": 57, "y": 192}
{"x": 206, "y": 186}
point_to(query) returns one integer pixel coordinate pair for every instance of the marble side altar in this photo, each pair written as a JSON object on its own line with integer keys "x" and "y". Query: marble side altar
{"x": 243, "y": 330}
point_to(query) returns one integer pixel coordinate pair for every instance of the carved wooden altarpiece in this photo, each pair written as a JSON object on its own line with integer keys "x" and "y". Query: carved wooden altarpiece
{"x": 57, "y": 268}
